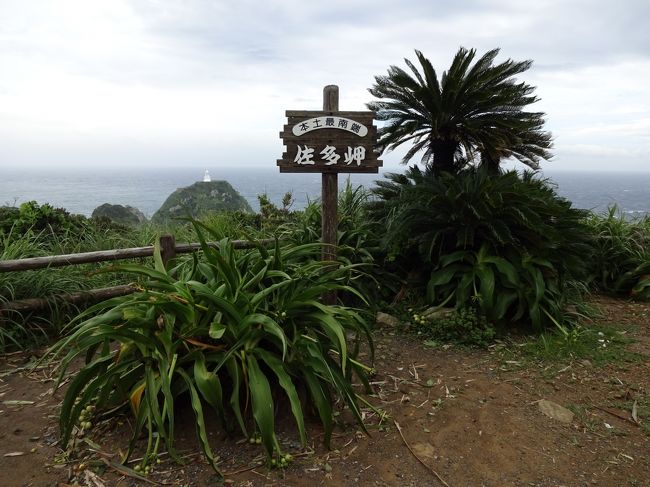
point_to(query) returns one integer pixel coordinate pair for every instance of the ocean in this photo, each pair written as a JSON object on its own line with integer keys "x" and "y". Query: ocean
{"x": 80, "y": 190}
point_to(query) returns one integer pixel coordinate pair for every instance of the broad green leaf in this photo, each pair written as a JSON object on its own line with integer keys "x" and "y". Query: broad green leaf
{"x": 152, "y": 387}
{"x": 68, "y": 417}
{"x": 157, "y": 258}
{"x": 335, "y": 331}
{"x": 200, "y": 422}
{"x": 444, "y": 275}
{"x": 236, "y": 377}
{"x": 278, "y": 367}
{"x": 262, "y": 404}
{"x": 320, "y": 395}
{"x": 486, "y": 277}
{"x": 217, "y": 330}
{"x": 270, "y": 325}
{"x": 208, "y": 384}
{"x": 505, "y": 268}
{"x": 255, "y": 300}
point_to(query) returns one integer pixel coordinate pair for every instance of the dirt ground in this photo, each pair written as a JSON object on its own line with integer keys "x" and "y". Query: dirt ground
{"x": 452, "y": 417}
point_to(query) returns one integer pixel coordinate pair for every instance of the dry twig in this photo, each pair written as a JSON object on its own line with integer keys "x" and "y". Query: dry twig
{"x": 399, "y": 429}
{"x": 616, "y": 415}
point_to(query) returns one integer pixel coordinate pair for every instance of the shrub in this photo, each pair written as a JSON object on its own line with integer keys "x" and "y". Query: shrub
{"x": 271, "y": 216}
{"x": 233, "y": 331}
{"x": 38, "y": 218}
{"x": 464, "y": 326}
{"x": 621, "y": 263}
{"x": 504, "y": 243}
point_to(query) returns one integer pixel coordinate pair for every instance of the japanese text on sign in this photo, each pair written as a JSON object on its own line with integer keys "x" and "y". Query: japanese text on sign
{"x": 330, "y": 122}
{"x": 305, "y": 155}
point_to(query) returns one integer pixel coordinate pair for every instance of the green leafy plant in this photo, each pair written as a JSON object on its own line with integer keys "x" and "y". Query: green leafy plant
{"x": 30, "y": 216}
{"x": 358, "y": 239}
{"x": 271, "y": 215}
{"x": 233, "y": 332}
{"x": 476, "y": 108}
{"x": 357, "y": 234}
{"x": 621, "y": 263}
{"x": 464, "y": 326}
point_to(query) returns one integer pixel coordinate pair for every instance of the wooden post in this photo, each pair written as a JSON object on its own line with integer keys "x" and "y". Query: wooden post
{"x": 167, "y": 248}
{"x": 329, "y": 195}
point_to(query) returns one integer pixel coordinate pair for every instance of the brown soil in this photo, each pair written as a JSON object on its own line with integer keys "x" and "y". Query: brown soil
{"x": 464, "y": 418}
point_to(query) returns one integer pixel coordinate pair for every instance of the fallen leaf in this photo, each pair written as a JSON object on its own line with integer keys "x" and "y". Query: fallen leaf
{"x": 424, "y": 450}
{"x": 14, "y": 454}
{"x": 14, "y": 402}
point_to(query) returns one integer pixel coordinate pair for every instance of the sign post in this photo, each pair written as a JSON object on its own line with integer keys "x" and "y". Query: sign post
{"x": 330, "y": 188}
{"x": 329, "y": 142}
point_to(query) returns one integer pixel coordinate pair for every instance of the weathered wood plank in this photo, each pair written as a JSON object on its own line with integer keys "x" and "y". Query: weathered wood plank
{"x": 167, "y": 248}
{"x": 32, "y": 263}
{"x": 74, "y": 259}
{"x": 76, "y": 298}
{"x": 323, "y": 113}
{"x": 325, "y": 139}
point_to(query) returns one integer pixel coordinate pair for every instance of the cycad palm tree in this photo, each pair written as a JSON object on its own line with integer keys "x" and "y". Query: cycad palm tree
{"x": 474, "y": 113}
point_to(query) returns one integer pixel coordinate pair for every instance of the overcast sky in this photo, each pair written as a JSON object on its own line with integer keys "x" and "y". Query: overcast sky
{"x": 206, "y": 82}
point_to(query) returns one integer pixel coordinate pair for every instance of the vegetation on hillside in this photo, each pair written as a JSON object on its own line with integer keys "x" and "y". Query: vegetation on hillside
{"x": 199, "y": 200}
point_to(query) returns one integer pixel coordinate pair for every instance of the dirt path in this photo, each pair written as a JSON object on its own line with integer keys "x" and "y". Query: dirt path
{"x": 472, "y": 418}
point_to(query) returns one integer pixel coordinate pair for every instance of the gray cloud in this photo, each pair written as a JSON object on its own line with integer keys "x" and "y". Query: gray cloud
{"x": 209, "y": 74}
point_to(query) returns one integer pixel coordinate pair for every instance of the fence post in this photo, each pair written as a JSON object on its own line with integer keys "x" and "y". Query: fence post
{"x": 167, "y": 248}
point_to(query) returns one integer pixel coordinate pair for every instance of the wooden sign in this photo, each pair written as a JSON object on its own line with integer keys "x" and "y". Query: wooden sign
{"x": 329, "y": 142}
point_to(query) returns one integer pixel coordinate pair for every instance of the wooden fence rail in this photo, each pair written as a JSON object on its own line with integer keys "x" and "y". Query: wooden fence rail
{"x": 168, "y": 250}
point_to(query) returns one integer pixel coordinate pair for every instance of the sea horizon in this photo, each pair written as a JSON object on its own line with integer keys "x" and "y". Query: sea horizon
{"x": 81, "y": 190}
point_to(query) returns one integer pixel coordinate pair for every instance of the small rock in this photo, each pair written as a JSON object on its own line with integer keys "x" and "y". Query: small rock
{"x": 436, "y": 313}
{"x": 555, "y": 411}
{"x": 586, "y": 363}
{"x": 125, "y": 215}
{"x": 384, "y": 320}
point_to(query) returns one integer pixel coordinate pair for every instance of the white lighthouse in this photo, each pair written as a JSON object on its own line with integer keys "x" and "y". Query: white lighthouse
{"x": 206, "y": 177}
